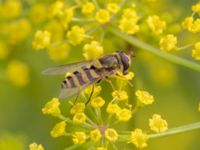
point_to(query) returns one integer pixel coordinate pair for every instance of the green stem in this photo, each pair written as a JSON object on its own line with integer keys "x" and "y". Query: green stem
{"x": 184, "y": 47}
{"x": 138, "y": 43}
{"x": 71, "y": 147}
{"x": 178, "y": 130}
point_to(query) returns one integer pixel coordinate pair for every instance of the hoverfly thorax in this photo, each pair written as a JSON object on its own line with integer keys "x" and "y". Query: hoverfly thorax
{"x": 125, "y": 60}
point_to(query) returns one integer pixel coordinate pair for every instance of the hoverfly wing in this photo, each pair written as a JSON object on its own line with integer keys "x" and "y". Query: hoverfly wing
{"x": 63, "y": 69}
{"x": 70, "y": 92}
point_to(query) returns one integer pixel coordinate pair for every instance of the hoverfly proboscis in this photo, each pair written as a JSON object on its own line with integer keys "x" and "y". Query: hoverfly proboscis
{"x": 86, "y": 73}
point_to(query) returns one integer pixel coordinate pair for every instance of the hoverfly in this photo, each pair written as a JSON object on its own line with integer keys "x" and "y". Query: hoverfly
{"x": 83, "y": 74}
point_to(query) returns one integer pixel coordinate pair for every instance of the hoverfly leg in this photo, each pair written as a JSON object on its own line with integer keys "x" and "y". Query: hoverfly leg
{"x": 90, "y": 95}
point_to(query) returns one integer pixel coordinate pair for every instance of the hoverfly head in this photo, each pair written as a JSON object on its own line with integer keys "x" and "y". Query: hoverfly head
{"x": 125, "y": 59}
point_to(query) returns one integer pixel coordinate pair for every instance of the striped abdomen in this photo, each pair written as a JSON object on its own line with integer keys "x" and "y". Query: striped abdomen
{"x": 81, "y": 77}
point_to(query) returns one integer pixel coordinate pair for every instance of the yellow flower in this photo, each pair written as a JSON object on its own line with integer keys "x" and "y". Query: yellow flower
{"x": 127, "y": 77}
{"x": 196, "y": 51}
{"x": 79, "y": 137}
{"x": 52, "y": 107}
{"x": 56, "y": 8}
{"x": 97, "y": 102}
{"x": 144, "y": 98}
{"x": 67, "y": 16}
{"x": 56, "y": 30}
{"x": 42, "y": 40}
{"x": 58, "y": 130}
{"x": 101, "y": 148}
{"x": 156, "y": 25}
{"x": 88, "y": 8}
{"x": 18, "y": 73}
{"x": 128, "y": 22}
{"x": 4, "y": 50}
{"x": 168, "y": 43}
{"x": 79, "y": 118}
{"x": 76, "y": 35}
{"x": 120, "y": 95}
{"x": 95, "y": 135}
{"x": 11, "y": 9}
{"x": 103, "y": 16}
{"x": 35, "y": 146}
{"x": 111, "y": 135}
{"x": 92, "y": 50}
{"x": 19, "y": 30}
{"x": 188, "y": 23}
{"x": 113, "y": 8}
{"x": 157, "y": 124}
{"x": 97, "y": 90}
{"x": 38, "y": 13}
{"x": 196, "y": 8}
{"x": 59, "y": 51}
{"x": 138, "y": 138}
{"x": 124, "y": 115}
{"x": 77, "y": 108}
{"x": 113, "y": 108}
{"x": 196, "y": 26}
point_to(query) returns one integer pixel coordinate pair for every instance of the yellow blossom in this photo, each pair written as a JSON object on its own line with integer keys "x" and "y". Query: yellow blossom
{"x": 77, "y": 108}
{"x": 97, "y": 90}
{"x": 58, "y": 130}
{"x": 76, "y": 35}
{"x": 4, "y": 50}
{"x": 88, "y": 8}
{"x": 56, "y": 30}
{"x": 38, "y": 13}
{"x": 124, "y": 115}
{"x": 157, "y": 124}
{"x": 128, "y": 22}
{"x": 111, "y": 135}
{"x": 19, "y": 30}
{"x": 79, "y": 137}
{"x": 101, "y": 148}
{"x": 188, "y": 23}
{"x": 52, "y": 107}
{"x": 196, "y": 8}
{"x": 97, "y": 102}
{"x": 168, "y": 43}
{"x": 95, "y": 135}
{"x": 120, "y": 95}
{"x": 42, "y": 40}
{"x": 144, "y": 98}
{"x": 156, "y": 24}
{"x": 79, "y": 118}
{"x": 103, "y": 16}
{"x": 59, "y": 51}
{"x": 138, "y": 138}
{"x": 196, "y": 51}
{"x": 18, "y": 73}
{"x": 92, "y": 50}
{"x": 35, "y": 146}
{"x": 113, "y": 7}
{"x": 56, "y": 8}
{"x": 67, "y": 16}
{"x": 113, "y": 108}
{"x": 11, "y": 9}
{"x": 196, "y": 26}
{"x": 127, "y": 77}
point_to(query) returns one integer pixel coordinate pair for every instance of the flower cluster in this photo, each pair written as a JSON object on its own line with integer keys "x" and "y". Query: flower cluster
{"x": 92, "y": 126}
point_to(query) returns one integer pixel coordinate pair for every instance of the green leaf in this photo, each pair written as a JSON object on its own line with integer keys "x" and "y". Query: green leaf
{"x": 172, "y": 58}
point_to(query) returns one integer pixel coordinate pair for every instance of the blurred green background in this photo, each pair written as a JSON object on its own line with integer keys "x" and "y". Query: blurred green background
{"x": 176, "y": 91}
